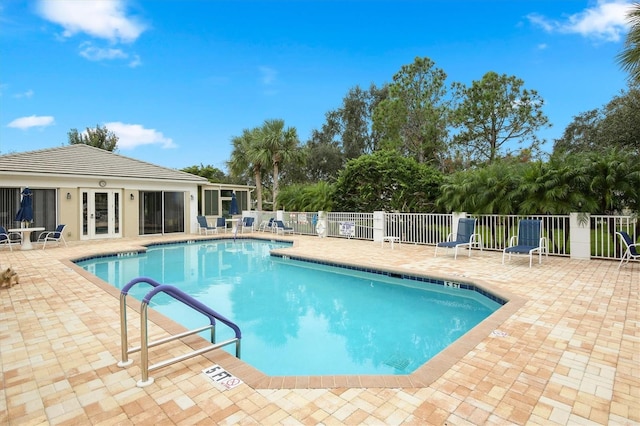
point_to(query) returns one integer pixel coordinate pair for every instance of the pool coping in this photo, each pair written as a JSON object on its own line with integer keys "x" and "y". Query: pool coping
{"x": 423, "y": 376}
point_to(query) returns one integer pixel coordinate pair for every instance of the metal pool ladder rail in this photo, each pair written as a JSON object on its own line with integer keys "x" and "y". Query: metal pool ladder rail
{"x": 144, "y": 336}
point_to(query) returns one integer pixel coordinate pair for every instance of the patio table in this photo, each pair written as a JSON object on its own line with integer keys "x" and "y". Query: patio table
{"x": 26, "y": 236}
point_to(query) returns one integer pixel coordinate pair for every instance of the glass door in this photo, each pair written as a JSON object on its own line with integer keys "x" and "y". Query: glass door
{"x": 101, "y": 213}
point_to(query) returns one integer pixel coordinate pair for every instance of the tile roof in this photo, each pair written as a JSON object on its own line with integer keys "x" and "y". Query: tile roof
{"x": 85, "y": 160}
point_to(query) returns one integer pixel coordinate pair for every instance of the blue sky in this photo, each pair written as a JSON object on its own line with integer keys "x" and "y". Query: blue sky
{"x": 176, "y": 80}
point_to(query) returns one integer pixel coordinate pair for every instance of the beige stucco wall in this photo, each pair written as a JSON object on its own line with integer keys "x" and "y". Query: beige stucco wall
{"x": 70, "y": 210}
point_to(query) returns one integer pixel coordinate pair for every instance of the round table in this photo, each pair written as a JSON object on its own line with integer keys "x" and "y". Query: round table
{"x": 26, "y": 236}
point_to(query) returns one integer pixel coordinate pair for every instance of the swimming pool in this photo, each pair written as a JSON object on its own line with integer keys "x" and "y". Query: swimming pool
{"x": 304, "y": 318}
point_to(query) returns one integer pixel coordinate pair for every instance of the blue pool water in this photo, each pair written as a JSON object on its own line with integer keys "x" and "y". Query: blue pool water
{"x": 302, "y": 318}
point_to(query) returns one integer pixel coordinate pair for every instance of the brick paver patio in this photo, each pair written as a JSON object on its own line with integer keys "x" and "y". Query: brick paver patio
{"x": 564, "y": 350}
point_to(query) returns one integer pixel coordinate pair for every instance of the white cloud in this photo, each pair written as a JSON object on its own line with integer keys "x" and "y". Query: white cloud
{"x": 135, "y": 62}
{"x": 607, "y": 20}
{"x": 93, "y": 53}
{"x": 268, "y": 75}
{"x": 131, "y": 136}
{"x": 31, "y": 121}
{"x": 100, "y": 19}
{"x": 27, "y": 94}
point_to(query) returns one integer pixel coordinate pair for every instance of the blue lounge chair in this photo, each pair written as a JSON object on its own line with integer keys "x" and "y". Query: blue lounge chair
{"x": 247, "y": 223}
{"x": 528, "y": 241}
{"x": 53, "y": 236}
{"x": 630, "y": 248}
{"x": 5, "y": 238}
{"x": 204, "y": 227}
{"x": 465, "y": 236}
{"x": 266, "y": 225}
{"x": 221, "y": 224}
{"x": 280, "y": 227}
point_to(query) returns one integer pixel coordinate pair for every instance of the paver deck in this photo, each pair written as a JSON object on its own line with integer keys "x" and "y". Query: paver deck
{"x": 564, "y": 350}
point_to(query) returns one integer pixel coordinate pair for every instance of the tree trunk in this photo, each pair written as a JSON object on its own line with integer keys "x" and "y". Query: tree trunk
{"x": 275, "y": 184}
{"x": 258, "y": 179}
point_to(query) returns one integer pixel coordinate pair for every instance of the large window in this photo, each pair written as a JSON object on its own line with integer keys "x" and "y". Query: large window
{"x": 211, "y": 207}
{"x": 43, "y": 203}
{"x": 173, "y": 212}
{"x": 161, "y": 212}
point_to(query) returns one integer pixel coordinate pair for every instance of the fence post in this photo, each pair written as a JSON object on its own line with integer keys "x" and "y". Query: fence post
{"x": 378, "y": 226}
{"x": 321, "y": 227}
{"x": 580, "y": 235}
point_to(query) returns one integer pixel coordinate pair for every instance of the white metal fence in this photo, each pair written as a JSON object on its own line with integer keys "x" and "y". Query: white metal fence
{"x": 495, "y": 230}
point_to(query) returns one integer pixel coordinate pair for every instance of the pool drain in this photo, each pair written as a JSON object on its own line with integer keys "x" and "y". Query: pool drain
{"x": 397, "y": 361}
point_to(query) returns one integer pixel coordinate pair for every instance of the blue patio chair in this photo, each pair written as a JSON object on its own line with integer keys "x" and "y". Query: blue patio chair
{"x": 221, "y": 224}
{"x": 466, "y": 236}
{"x": 266, "y": 225}
{"x": 6, "y": 238}
{"x": 280, "y": 227}
{"x": 528, "y": 241}
{"x": 630, "y": 248}
{"x": 204, "y": 227}
{"x": 247, "y": 223}
{"x": 53, "y": 236}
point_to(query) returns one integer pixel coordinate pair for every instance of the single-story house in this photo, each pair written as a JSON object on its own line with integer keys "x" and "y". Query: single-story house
{"x": 101, "y": 194}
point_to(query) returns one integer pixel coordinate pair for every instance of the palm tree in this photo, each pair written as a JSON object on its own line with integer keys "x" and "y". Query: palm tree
{"x": 249, "y": 153}
{"x": 615, "y": 178}
{"x": 629, "y": 58}
{"x": 281, "y": 147}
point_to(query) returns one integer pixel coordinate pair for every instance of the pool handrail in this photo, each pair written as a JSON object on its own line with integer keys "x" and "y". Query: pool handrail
{"x": 193, "y": 303}
{"x": 145, "y": 344}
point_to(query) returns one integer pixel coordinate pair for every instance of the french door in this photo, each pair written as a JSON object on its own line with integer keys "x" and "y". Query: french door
{"x": 101, "y": 213}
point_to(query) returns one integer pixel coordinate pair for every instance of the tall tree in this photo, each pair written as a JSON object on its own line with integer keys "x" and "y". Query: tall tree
{"x": 414, "y": 117}
{"x": 620, "y": 126}
{"x": 324, "y": 160}
{"x": 353, "y": 121}
{"x": 615, "y": 125}
{"x": 629, "y": 58}
{"x": 213, "y": 174}
{"x": 282, "y": 147}
{"x": 100, "y": 137}
{"x": 249, "y": 153}
{"x": 495, "y": 111}
{"x": 387, "y": 180}
{"x": 581, "y": 134}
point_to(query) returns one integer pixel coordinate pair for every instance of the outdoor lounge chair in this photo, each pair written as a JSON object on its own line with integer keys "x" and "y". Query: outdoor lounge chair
{"x": 221, "y": 224}
{"x": 247, "y": 223}
{"x": 281, "y": 228}
{"x": 204, "y": 227}
{"x": 266, "y": 225}
{"x": 53, "y": 236}
{"x": 631, "y": 248}
{"x": 465, "y": 236}
{"x": 528, "y": 241}
{"x": 5, "y": 238}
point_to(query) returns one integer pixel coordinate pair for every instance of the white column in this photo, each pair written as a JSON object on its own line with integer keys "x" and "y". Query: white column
{"x": 322, "y": 227}
{"x": 378, "y": 226}
{"x": 580, "y": 235}
{"x": 455, "y": 217}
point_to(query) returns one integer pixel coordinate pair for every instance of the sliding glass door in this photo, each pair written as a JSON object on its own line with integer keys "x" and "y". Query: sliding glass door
{"x": 161, "y": 212}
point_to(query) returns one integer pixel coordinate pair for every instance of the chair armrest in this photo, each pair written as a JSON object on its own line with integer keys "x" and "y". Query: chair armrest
{"x": 513, "y": 241}
{"x": 450, "y": 236}
{"x": 45, "y": 233}
{"x": 543, "y": 243}
{"x": 17, "y": 234}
